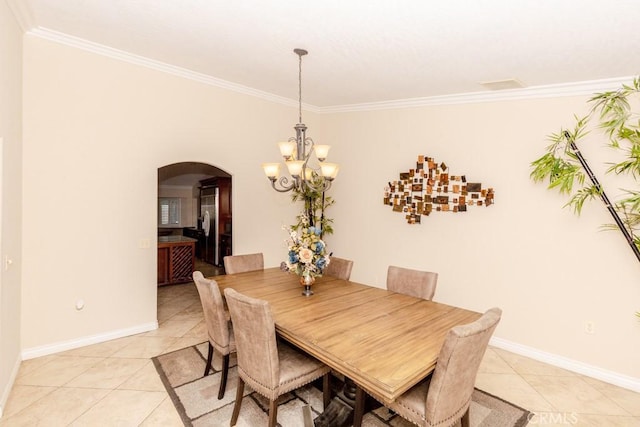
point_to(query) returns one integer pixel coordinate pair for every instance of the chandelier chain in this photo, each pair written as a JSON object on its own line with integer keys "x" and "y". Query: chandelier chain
{"x": 299, "y": 88}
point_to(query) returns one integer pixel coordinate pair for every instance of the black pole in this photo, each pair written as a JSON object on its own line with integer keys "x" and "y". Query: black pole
{"x": 603, "y": 195}
{"x": 309, "y": 202}
{"x": 322, "y": 217}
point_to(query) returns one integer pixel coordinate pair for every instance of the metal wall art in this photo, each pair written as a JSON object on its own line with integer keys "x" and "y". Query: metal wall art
{"x": 431, "y": 187}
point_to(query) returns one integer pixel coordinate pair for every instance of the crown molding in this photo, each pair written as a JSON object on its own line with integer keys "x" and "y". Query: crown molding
{"x": 535, "y": 92}
{"x": 121, "y": 55}
{"x": 22, "y": 13}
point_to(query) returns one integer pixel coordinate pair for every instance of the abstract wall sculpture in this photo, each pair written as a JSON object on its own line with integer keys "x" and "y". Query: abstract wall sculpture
{"x": 431, "y": 187}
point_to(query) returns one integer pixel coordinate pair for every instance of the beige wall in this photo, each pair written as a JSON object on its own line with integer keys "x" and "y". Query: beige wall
{"x": 96, "y": 132}
{"x": 10, "y": 196}
{"x": 97, "y": 129}
{"x": 548, "y": 270}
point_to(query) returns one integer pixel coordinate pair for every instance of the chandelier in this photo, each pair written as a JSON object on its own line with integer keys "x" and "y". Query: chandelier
{"x": 297, "y": 153}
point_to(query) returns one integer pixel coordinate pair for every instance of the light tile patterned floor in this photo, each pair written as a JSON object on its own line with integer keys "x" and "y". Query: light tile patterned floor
{"x": 115, "y": 383}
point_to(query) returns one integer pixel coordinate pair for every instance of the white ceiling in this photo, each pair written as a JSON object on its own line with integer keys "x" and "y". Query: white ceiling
{"x": 362, "y": 51}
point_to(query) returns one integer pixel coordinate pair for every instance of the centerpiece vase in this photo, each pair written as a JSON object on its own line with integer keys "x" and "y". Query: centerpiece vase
{"x": 307, "y": 281}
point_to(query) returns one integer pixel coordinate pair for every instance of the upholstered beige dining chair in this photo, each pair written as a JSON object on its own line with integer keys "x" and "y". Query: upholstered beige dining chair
{"x": 444, "y": 397}
{"x": 234, "y": 264}
{"x": 420, "y": 284}
{"x": 339, "y": 267}
{"x": 219, "y": 330}
{"x": 270, "y": 367}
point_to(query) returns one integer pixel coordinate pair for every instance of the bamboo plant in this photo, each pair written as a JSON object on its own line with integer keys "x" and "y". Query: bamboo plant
{"x": 565, "y": 168}
{"x": 315, "y": 203}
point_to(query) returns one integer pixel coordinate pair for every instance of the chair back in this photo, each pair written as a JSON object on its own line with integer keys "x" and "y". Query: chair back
{"x": 234, "y": 264}
{"x": 454, "y": 378}
{"x": 339, "y": 267}
{"x": 214, "y": 314}
{"x": 255, "y": 333}
{"x": 420, "y": 284}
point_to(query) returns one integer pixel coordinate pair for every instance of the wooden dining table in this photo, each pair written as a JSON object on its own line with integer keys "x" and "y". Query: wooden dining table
{"x": 384, "y": 341}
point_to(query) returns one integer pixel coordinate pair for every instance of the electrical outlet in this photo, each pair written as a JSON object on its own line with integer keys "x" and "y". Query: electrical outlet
{"x": 144, "y": 243}
{"x": 590, "y": 327}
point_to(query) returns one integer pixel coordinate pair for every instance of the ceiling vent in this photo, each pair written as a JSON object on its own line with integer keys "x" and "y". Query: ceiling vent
{"x": 503, "y": 84}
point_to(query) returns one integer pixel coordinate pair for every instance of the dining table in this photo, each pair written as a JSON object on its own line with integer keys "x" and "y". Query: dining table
{"x": 383, "y": 341}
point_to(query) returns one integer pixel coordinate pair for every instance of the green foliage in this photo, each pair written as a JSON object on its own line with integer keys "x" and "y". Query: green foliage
{"x": 560, "y": 164}
{"x": 580, "y": 196}
{"x": 315, "y": 203}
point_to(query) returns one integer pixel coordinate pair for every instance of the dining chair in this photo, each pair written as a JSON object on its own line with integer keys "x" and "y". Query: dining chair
{"x": 269, "y": 366}
{"x": 234, "y": 264}
{"x": 416, "y": 283}
{"x": 339, "y": 267}
{"x": 219, "y": 330}
{"x": 444, "y": 398}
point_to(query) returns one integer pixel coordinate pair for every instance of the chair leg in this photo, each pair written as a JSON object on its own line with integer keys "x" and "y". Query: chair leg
{"x": 209, "y": 359}
{"x": 273, "y": 412}
{"x": 358, "y": 411}
{"x": 326, "y": 390}
{"x": 465, "y": 419}
{"x": 223, "y": 378}
{"x": 238, "y": 404}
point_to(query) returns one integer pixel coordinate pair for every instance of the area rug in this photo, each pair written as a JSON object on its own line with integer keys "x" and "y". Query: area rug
{"x": 196, "y": 399}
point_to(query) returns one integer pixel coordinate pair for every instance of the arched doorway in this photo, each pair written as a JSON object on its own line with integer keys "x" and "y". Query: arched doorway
{"x": 194, "y": 201}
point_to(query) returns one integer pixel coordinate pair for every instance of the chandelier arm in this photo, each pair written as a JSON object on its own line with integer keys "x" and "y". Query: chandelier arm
{"x": 308, "y": 143}
{"x": 321, "y": 188}
{"x": 284, "y": 184}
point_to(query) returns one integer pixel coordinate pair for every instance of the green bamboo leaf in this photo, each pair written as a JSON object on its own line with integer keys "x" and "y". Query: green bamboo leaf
{"x": 586, "y": 193}
{"x": 632, "y": 202}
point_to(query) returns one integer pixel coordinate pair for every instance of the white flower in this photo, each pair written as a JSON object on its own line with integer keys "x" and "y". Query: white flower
{"x": 306, "y": 255}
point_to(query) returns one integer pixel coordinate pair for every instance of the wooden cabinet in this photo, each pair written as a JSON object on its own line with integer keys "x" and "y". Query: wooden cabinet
{"x": 196, "y": 234}
{"x": 163, "y": 265}
{"x": 224, "y": 188}
{"x": 176, "y": 259}
{"x": 225, "y": 245}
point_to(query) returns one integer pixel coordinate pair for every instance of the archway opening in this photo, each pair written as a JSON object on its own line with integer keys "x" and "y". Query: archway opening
{"x": 194, "y": 221}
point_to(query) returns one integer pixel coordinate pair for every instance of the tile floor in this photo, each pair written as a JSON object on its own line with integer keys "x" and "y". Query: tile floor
{"x": 115, "y": 383}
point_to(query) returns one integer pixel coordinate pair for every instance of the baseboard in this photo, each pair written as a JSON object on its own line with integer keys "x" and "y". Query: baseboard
{"x": 44, "y": 350}
{"x": 607, "y": 376}
{"x": 610, "y": 377}
{"x": 9, "y": 386}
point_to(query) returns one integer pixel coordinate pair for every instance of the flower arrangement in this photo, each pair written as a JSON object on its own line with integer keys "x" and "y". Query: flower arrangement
{"x": 307, "y": 255}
